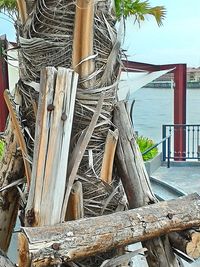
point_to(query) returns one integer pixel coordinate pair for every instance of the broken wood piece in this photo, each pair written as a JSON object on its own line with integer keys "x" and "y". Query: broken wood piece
{"x": 54, "y": 124}
{"x": 18, "y": 131}
{"x": 108, "y": 158}
{"x": 86, "y": 237}
{"x": 75, "y": 206}
{"x": 187, "y": 241}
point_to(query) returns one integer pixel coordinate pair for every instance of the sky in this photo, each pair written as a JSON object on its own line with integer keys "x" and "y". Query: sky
{"x": 177, "y": 41}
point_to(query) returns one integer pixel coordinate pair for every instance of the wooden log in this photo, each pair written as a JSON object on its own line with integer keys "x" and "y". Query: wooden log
{"x": 108, "y": 158}
{"x": 137, "y": 185}
{"x": 82, "y": 238}
{"x": 187, "y": 242}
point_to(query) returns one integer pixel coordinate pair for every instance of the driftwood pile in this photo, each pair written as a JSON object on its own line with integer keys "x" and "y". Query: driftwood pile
{"x": 84, "y": 164}
{"x": 55, "y": 194}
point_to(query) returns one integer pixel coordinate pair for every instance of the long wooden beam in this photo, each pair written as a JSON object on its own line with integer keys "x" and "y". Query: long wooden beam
{"x": 86, "y": 237}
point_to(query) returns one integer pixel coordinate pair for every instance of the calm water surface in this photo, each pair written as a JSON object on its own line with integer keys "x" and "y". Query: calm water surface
{"x": 154, "y": 107}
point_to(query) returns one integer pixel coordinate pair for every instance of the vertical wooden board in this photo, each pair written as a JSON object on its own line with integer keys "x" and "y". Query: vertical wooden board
{"x": 41, "y": 138}
{"x": 53, "y": 152}
{"x": 68, "y": 110}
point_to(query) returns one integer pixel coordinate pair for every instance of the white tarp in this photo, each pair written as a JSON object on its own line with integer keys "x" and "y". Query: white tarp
{"x": 133, "y": 81}
{"x": 13, "y": 70}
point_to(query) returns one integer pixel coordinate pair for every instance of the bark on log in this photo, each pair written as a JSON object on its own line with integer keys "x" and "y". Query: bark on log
{"x": 137, "y": 185}
{"x": 86, "y": 237}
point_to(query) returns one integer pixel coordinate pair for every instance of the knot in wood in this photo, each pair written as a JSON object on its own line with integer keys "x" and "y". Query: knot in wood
{"x": 56, "y": 246}
{"x": 50, "y": 107}
{"x": 63, "y": 117}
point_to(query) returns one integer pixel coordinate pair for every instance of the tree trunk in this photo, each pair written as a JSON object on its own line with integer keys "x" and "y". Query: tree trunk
{"x": 86, "y": 237}
{"x": 137, "y": 185}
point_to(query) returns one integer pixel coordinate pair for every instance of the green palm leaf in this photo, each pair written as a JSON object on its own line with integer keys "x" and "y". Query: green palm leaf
{"x": 139, "y": 9}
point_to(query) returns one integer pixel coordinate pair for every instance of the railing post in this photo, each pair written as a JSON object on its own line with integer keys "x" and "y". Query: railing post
{"x": 180, "y": 112}
{"x": 164, "y": 143}
{"x": 168, "y": 151}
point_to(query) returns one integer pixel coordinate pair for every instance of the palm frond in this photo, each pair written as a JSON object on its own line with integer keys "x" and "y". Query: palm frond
{"x": 139, "y": 10}
{"x": 8, "y": 5}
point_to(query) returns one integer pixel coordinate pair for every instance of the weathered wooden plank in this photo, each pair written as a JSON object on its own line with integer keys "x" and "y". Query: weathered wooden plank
{"x": 86, "y": 237}
{"x": 41, "y": 142}
{"x": 55, "y": 115}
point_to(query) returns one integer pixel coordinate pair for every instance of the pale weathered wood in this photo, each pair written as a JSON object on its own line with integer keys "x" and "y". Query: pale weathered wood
{"x": 108, "y": 158}
{"x": 75, "y": 206}
{"x": 56, "y": 108}
{"x": 86, "y": 237}
{"x": 137, "y": 185}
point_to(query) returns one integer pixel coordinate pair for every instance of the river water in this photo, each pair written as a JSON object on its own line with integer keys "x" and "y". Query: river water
{"x": 154, "y": 107}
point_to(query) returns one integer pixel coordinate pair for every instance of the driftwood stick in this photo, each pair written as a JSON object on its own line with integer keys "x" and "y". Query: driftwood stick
{"x": 137, "y": 185}
{"x": 86, "y": 237}
{"x": 108, "y": 158}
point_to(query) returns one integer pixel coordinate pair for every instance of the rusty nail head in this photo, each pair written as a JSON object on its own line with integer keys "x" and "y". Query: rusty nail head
{"x": 63, "y": 117}
{"x": 50, "y": 107}
{"x": 55, "y": 246}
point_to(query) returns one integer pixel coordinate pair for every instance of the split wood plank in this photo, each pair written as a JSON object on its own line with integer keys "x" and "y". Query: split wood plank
{"x": 86, "y": 237}
{"x": 54, "y": 123}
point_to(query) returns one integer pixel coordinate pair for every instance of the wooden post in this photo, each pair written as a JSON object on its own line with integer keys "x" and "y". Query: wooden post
{"x": 137, "y": 185}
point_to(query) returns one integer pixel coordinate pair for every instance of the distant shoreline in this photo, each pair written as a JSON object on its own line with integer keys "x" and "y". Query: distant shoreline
{"x": 169, "y": 85}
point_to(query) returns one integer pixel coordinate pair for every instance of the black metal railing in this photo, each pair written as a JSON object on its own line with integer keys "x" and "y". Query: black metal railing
{"x": 190, "y": 149}
{"x": 165, "y": 139}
